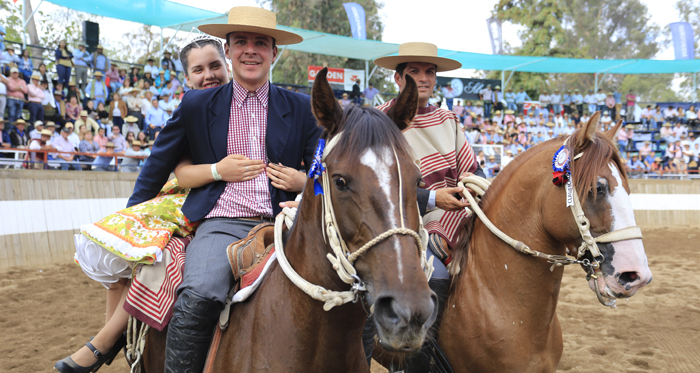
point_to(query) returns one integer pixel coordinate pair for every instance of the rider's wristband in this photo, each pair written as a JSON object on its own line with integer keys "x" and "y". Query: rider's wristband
{"x": 215, "y": 174}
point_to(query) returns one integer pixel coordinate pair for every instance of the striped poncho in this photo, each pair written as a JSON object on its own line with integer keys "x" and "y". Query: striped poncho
{"x": 444, "y": 154}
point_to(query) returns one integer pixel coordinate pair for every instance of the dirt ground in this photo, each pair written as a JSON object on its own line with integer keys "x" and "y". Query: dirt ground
{"x": 46, "y": 313}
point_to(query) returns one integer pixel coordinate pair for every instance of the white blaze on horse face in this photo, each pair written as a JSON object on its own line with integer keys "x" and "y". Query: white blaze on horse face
{"x": 381, "y": 165}
{"x": 629, "y": 254}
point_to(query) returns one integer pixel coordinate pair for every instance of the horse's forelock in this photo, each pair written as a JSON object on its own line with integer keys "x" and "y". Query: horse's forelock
{"x": 595, "y": 156}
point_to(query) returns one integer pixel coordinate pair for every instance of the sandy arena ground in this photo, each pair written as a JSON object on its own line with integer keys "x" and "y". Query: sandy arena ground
{"x": 48, "y": 312}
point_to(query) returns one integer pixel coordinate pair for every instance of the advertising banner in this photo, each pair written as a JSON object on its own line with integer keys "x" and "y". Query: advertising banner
{"x": 342, "y": 79}
{"x": 356, "y": 16}
{"x": 683, "y": 40}
{"x": 469, "y": 88}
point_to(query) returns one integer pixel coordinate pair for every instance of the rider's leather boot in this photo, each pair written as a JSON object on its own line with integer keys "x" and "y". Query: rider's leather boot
{"x": 190, "y": 332}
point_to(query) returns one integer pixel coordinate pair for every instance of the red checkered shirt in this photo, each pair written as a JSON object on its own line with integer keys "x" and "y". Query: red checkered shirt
{"x": 246, "y": 136}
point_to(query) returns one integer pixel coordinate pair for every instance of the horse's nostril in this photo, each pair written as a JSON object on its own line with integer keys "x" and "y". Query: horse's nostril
{"x": 628, "y": 277}
{"x": 384, "y": 308}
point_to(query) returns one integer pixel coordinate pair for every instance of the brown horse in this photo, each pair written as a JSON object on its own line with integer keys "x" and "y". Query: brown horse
{"x": 500, "y": 315}
{"x": 281, "y": 328}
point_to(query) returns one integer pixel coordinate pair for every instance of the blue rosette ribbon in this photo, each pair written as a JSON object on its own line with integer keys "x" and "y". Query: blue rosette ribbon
{"x": 316, "y": 170}
{"x": 560, "y": 166}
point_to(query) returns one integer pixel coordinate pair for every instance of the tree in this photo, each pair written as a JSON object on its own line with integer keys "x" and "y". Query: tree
{"x": 325, "y": 16}
{"x": 688, "y": 11}
{"x": 595, "y": 29}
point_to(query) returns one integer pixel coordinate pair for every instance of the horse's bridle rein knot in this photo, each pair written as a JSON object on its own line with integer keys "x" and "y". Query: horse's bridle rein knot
{"x": 341, "y": 258}
{"x": 589, "y": 244}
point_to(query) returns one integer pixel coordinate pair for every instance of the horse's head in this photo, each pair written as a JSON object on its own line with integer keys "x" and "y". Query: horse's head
{"x": 599, "y": 178}
{"x": 372, "y": 183}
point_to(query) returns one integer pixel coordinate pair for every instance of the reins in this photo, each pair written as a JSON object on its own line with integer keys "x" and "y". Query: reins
{"x": 341, "y": 258}
{"x": 588, "y": 244}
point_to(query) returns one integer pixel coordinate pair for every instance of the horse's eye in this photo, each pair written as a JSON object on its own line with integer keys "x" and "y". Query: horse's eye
{"x": 601, "y": 189}
{"x": 340, "y": 183}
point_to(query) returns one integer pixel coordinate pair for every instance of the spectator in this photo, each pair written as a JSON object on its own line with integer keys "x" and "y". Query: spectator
{"x": 88, "y": 122}
{"x": 147, "y": 78}
{"x": 645, "y": 150}
{"x": 566, "y": 101}
{"x": 636, "y": 167}
{"x": 545, "y": 101}
{"x": 101, "y": 111}
{"x": 48, "y": 102}
{"x": 355, "y": 94}
{"x": 25, "y": 65}
{"x": 478, "y": 110}
{"x": 82, "y": 130}
{"x": 100, "y": 62}
{"x": 73, "y": 110}
{"x": 117, "y": 110}
{"x": 59, "y": 114}
{"x": 555, "y": 101}
{"x": 486, "y": 96}
{"x": 73, "y": 91}
{"x": 498, "y": 99}
{"x": 115, "y": 80}
{"x": 605, "y": 121}
{"x": 16, "y": 89}
{"x": 160, "y": 81}
{"x": 510, "y": 100}
{"x": 459, "y": 110}
{"x": 150, "y": 67}
{"x": 5, "y": 141}
{"x": 81, "y": 61}
{"x": 497, "y": 119}
{"x": 97, "y": 90}
{"x": 631, "y": 102}
{"x": 679, "y": 130}
{"x": 40, "y": 143}
{"x": 63, "y": 63}
{"x": 9, "y": 58}
{"x": 119, "y": 141}
{"x": 36, "y": 132}
{"x": 51, "y": 126}
{"x": 101, "y": 139}
{"x": 600, "y": 100}
{"x": 167, "y": 62}
{"x": 491, "y": 168}
{"x": 125, "y": 89}
{"x": 691, "y": 116}
{"x": 520, "y": 99}
{"x": 671, "y": 115}
{"x": 103, "y": 161}
{"x": 148, "y": 87}
{"x": 674, "y": 154}
{"x": 131, "y": 126}
{"x": 658, "y": 115}
{"x": 591, "y": 101}
{"x": 369, "y": 94}
{"x": 648, "y": 120}
{"x": 623, "y": 138}
{"x": 610, "y": 104}
{"x": 72, "y": 136}
{"x": 344, "y": 101}
{"x": 449, "y": 93}
{"x": 44, "y": 76}
{"x": 666, "y": 133}
{"x": 133, "y": 76}
{"x": 88, "y": 145}
{"x": 131, "y": 164}
{"x": 65, "y": 147}
{"x": 3, "y": 95}
{"x": 19, "y": 137}
{"x": 578, "y": 100}
{"x": 35, "y": 97}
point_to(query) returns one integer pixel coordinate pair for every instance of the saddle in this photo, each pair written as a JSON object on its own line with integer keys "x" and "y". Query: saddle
{"x": 247, "y": 254}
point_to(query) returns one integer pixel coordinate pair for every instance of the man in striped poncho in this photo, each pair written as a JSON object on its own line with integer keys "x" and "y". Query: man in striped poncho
{"x": 442, "y": 152}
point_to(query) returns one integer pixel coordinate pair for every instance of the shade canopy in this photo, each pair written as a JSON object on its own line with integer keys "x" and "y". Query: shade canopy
{"x": 168, "y": 14}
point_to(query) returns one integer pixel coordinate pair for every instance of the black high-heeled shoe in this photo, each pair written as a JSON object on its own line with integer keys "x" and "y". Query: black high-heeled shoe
{"x": 67, "y": 365}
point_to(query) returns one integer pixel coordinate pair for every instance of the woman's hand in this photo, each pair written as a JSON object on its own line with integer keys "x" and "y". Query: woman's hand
{"x": 236, "y": 168}
{"x": 286, "y": 178}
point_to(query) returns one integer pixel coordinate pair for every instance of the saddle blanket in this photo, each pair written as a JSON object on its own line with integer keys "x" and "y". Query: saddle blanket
{"x": 153, "y": 289}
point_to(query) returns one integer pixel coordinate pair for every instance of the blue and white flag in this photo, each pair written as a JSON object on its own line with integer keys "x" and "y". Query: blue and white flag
{"x": 683, "y": 40}
{"x": 356, "y": 16}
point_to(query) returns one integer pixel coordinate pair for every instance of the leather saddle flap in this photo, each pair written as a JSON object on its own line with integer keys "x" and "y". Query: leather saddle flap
{"x": 246, "y": 254}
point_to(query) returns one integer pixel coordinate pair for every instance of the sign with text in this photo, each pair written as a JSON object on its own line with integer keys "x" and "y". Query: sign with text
{"x": 469, "y": 88}
{"x": 339, "y": 78}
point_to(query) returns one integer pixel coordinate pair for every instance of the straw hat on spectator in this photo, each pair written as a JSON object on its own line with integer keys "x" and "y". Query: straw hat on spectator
{"x": 509, "y": 111}
{"x": 98, "y": 73}
{"x": 109, "y": 145}
{"x": 50, "y": 124}
{"x": 667, "y": 125}
{"x": 46, "y": 133}
{"x": 549, "y": 124}
{"x": 498, "y": 112}
{"x": 83, "y": 113}
{"x": 508, "y": 151}
{"x": 136, "y": 143}
{"x": 531, "y": 113}
{"x": 19, "y": 121}
{"x": 68, "y": 125}
{"x": 71, "y": 83}
{"x": 345, "y": 95}
{"x": 251, "y": 19}
{"x": 418, "y": 52}
{"x": 82, "y": 44}
{"x": 492, "y": 157}
{"x": 657, "y": 159}
{"x": 99, "y": 47}
{"x": 36, "y": 75}
{"x": 629, "y": 127}
{"x": 131, "y": 119}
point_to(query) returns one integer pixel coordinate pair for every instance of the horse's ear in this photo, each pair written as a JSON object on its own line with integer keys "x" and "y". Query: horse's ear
{"x": 586, "y": 134}
{"x": 403, "y": 111}
{"x": 324, "y": 105}
{"x": 612, "y": 133}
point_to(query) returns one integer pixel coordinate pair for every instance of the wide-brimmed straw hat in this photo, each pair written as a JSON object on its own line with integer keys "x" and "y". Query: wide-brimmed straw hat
{"x": 251, "y": 19}
{"x": 418, "y": 52}
{"x": 36, "y": 75}
{"x": 131, "y": 119}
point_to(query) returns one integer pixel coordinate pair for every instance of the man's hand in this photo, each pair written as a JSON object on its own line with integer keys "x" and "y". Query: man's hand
{"x": 237, "y": 168}
{"x": 290, "y": 204}
{"x": 286, "y": 178}
{"x": 445, "y": 200}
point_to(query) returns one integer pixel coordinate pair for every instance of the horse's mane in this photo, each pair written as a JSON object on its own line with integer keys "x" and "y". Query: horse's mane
{"x": 368, "y": 128}
{"x": 584, "y": 173}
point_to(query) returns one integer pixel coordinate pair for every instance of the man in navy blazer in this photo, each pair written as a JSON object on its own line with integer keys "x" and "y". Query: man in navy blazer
{"x": 252, "y": 121}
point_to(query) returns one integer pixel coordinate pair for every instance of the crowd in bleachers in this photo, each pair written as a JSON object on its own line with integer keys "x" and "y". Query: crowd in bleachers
{"x": 102, "y": 108}
{"x": 664, "y": 142}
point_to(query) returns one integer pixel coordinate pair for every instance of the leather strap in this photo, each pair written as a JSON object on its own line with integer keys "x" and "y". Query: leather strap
{"x": 95, "y": 351}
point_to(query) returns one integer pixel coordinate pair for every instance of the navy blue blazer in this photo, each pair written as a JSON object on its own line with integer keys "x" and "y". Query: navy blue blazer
{"x": 200, "y": 125}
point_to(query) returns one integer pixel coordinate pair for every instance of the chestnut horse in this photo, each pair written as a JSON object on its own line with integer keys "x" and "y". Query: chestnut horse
{"x": 281, "y": 328}
{"x": 500, "y": 315}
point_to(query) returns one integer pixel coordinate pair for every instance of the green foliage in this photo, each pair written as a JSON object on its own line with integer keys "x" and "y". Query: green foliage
{"x": 688, "y": 11}
{"x": 649, "y": 88}
{"x": 325, "y": 16}
{"x": 595, "y": 29}
{"x": 138, "y": 46}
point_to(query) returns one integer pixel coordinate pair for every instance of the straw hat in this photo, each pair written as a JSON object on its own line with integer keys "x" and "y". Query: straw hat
{"x": 20, "y": 121}
{"x": 131, "y": 119}
{"x": 418, "y": 52}
{"x": 83, "y": 113}
{"x": 71, "y": 84}
{"x": 99, "y": 47}
{"x": 36, "y": 75}
{"x": 109, "y": 145}
{"x": 98, "y": 73}
{"x": 46, "y": 133}
{"x": 50, "y": 124}
{"x": 251, "y": 19}
{"x": 82, "y": 44}
{"x": 549, "y": 124}
{"x": 136, "y": 142}
{"x": 69, "y": 125}
{"x": 38, "y": 123}
{"x": 509, "y": 111}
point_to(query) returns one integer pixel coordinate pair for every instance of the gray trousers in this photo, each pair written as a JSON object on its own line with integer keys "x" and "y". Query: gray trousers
{"x": 3, "y": 103}
{"x": 207, "y": 271}
{"x": 81, "y": 77}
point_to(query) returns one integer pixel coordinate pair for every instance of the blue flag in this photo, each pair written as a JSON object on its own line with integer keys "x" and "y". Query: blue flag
{"x": 683, "y": 40}
{"x": 356, "y": 16}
